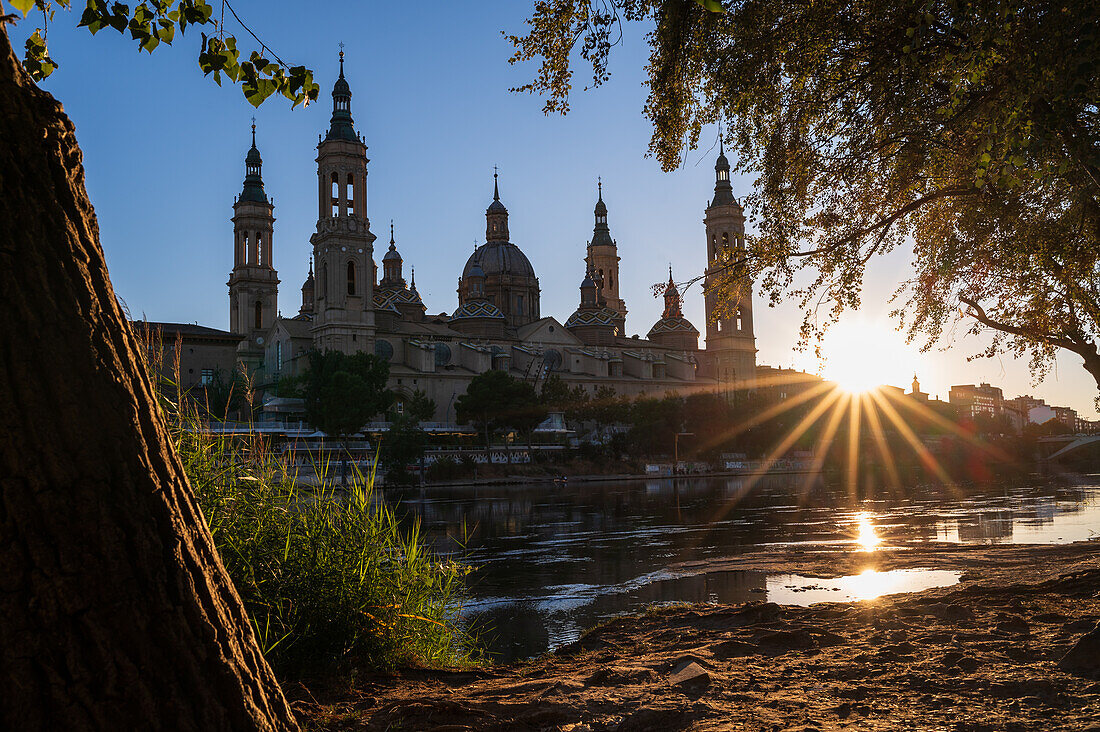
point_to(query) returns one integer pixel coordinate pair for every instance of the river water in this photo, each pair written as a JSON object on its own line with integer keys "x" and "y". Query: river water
{"x": 553, "y": 559}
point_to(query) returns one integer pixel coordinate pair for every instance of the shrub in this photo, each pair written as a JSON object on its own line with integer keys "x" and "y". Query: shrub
{"x": 329, "y": 577}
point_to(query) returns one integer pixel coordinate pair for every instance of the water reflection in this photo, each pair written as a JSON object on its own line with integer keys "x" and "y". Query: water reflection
{"x": 867, "y": 538}
{"x": 552, "y": 559}
{"x": 792, "y": 589}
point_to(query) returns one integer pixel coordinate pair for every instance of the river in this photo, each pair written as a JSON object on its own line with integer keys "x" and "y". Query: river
{"x": 553, "y": 559}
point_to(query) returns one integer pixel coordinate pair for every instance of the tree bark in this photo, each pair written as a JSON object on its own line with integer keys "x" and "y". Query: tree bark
{"x": 115, "y": 610}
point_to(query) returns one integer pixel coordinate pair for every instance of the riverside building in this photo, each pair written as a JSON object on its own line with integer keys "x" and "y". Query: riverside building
{"x": 348, "y": 305}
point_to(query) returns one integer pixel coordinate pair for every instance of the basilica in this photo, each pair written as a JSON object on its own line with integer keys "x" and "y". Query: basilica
{"x": 497, "y": 322}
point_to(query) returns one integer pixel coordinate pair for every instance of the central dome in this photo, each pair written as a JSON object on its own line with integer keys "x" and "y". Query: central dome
{"x": 499, "y": 258}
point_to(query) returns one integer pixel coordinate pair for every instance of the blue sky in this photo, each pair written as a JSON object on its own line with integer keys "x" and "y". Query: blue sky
{"x": 164, "y": 153}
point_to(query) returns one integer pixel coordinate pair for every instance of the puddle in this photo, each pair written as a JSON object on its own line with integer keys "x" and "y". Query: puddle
{"x": 793, "y": 589}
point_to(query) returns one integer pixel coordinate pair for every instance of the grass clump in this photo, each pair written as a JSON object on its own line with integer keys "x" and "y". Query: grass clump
{"x": 330, "y": 578}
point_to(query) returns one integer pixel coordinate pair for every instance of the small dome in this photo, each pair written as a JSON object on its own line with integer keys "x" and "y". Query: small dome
{"x": 672, "y": 325}
{"x": 722, "y": 163}
{"x": 496, "y": 207}
{"x": 587, "y": 281}
{"x": 391, "y": 255}
{"x": 341, "y": 87}
{"x": 253, "y": 157}
{"x": 474, "y": 271}
{"x": 499, "y": 258}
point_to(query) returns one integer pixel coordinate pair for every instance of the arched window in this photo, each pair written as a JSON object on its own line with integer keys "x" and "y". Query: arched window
{"x": 259, "y": 315}
{"x": 351, "y": 278}
{"x": 335, "y": 195}
{"x": 349, "y": 192}
{"x": 725, "y": 240}
{"x": 245, "y": 257}
{"x": 324, "y": 279}
{"x": 738, "y": 318}
{"x": 259, "y": 249}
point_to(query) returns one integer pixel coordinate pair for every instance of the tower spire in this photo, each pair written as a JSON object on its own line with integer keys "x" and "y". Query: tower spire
{"x": 253, "y": 182}
{"x": 341, "y": 126}
{"x": 723, "y": 190}
{"x": 496, "y": 216}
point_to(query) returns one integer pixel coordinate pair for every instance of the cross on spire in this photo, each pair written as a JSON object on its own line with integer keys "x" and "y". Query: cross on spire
{"x": 341, "y": 59}
{"x": 496, "y": 190}
{"x": 391, "y": 233}
{"x": 253, "y": 130}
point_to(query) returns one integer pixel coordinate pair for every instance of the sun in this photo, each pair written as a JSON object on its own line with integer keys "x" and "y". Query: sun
{"x": 860, "y": 355}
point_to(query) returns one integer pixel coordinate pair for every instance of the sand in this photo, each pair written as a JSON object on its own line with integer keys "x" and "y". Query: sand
{"x": 1008, "y": 648}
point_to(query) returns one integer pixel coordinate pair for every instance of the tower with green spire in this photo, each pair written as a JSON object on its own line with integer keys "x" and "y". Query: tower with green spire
{"x": 602, "y": 258}
{"x": 253, "y": 283}
{"x": 731, "y": 344}
{"x": 343, "y": 247}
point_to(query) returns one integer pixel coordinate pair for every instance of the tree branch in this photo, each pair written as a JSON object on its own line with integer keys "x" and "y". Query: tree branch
{"x": 978, "y": 313}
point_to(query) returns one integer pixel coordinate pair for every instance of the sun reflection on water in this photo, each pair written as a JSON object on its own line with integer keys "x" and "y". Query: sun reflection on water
{"x": 867, "y": 538}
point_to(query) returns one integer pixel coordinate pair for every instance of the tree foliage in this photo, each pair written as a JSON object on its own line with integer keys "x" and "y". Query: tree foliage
{"x": 495, "y": 400}
{"x": 970, "y": 128}
{"x": 342, "y": 392}
{"x": 404, "y": 442}
{"x": 154, "y": 22}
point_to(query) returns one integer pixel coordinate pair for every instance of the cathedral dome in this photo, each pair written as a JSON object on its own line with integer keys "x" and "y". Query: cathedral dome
{"x": 499, "y": 258}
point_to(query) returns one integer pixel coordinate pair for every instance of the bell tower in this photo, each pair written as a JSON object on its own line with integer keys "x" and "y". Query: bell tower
{"x": 731, "y": 344}
{"x": 602, "y": 259}
{"x": 253, "y": 283}
{"x": 343, "y": 247}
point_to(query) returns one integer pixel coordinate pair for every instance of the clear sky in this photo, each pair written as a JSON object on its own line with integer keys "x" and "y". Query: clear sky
{"x": 164, "y": 152}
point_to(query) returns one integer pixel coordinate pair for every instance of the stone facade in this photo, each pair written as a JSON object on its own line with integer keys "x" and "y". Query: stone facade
{"x": 497, "y": 323}
{"x": 731, "y": 345}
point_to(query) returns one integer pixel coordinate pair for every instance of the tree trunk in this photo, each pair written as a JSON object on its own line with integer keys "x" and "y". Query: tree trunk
{"x": 115, "y": 610}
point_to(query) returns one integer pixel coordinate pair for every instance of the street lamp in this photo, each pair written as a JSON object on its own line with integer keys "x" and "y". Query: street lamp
{"x": 676, "y": 448}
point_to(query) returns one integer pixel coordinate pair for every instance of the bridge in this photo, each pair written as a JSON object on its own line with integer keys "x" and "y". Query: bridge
{"x": 1060, "y": 445}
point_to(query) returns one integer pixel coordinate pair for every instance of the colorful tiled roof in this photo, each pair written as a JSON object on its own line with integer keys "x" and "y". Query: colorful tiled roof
{"x": 478, "y": 309}
{"x": 672, "y": 325}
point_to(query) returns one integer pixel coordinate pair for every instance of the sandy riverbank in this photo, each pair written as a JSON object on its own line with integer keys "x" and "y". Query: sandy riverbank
{"x": 985, "y": 654}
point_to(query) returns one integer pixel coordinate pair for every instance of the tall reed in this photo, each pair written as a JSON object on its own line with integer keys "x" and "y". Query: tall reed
{"x": 330, "y": 578}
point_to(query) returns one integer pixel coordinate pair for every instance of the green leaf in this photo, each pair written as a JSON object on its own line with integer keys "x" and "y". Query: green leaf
{"x": 258, "y": 92}
{"x": 23, "y": 5}
{"x": 713, "y": 6}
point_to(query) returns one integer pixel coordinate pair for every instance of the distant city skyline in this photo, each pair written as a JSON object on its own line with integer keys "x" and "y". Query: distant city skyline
{"x": 164, "y": 151}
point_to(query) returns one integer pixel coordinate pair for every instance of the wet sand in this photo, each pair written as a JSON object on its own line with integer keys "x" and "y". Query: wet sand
{"x": 1012, "y": 646}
